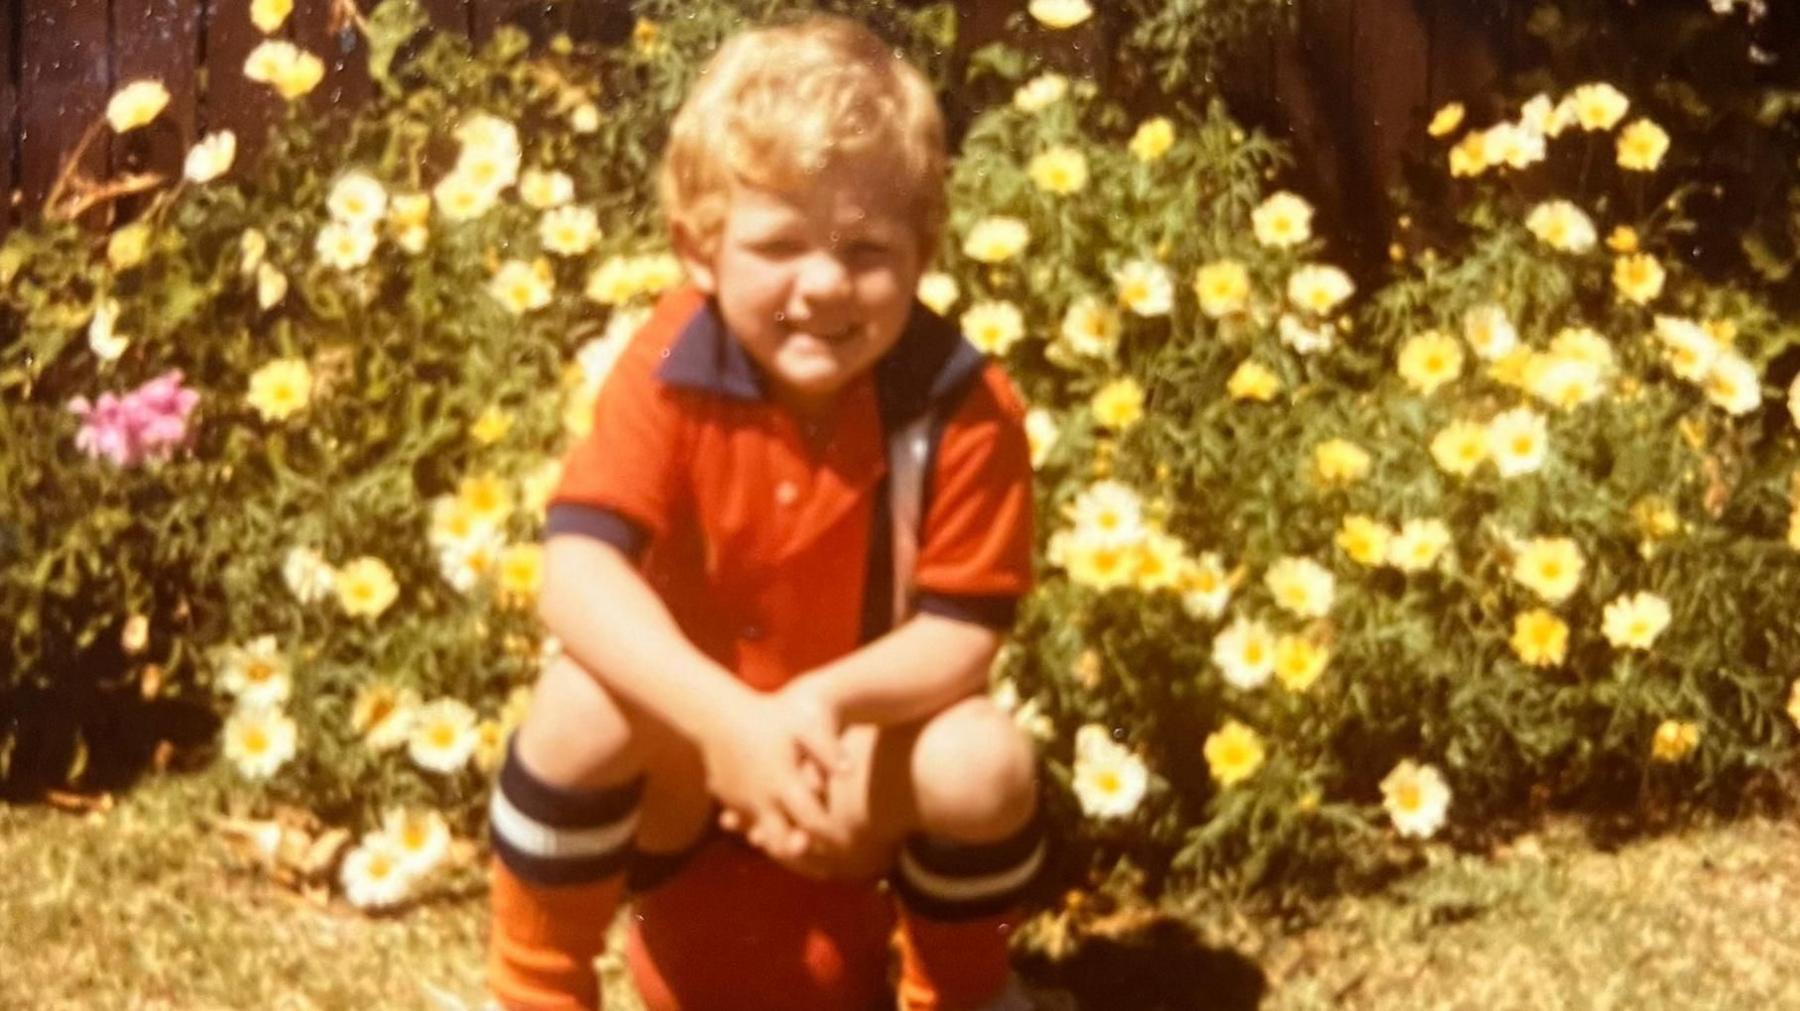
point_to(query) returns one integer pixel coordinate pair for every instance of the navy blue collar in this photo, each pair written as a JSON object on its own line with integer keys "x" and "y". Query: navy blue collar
{"x": 931, "y": 365}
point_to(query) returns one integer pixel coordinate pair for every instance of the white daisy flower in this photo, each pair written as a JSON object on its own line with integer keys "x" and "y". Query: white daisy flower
{"x": 374, "y": 874}
{"x": 443, "y": 736}
{"x": 1416, "y": 798}
{"x": 1245, "y": 653}
{"x": 1282, "y": 220}
{"x": 1205, "y": 587}
{"x": 421, "y": 837}
{"x": 307, "y": 575}
{"x": 343, "y": 246}
{"x": 1145, "y": 287}
{"x": 1109, "y": 779}
{"x": 1109, "y": 513}
{"x": 257, "y": 674}
{"x": 1733, "y": 384}
{"x": 1489, "y": 332}
{"x": 1301, "y": 586}
{"x": 259, "y": 741}
{"x": 358, "y": 201}
{"x": 1689, "y": 349}
{"x": 1518, "y": 441}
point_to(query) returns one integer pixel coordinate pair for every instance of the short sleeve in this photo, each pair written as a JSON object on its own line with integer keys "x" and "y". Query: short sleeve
{"x": 622, "y": 480}
{"x": 975, "y": 559}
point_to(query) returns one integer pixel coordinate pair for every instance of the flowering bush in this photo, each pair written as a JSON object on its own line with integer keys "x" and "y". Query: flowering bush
{"x": 1515, "y": 527}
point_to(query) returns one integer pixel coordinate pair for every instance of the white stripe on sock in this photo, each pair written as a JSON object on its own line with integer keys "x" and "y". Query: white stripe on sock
{"x": 536, "y": 839}
{"x": 961, "y": 889}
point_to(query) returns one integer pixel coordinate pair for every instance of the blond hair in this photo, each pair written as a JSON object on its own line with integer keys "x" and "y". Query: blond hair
{"x": 777, "y": 106}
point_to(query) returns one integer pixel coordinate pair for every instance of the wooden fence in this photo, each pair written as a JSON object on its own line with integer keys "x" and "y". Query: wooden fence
{"x": 1350, "y": 88}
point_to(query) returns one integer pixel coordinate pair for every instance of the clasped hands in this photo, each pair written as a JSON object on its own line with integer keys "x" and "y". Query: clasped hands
{"x": 770, "y": 763}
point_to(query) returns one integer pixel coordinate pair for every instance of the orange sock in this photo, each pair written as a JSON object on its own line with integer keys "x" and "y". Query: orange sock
{"x": 957, "y": 966}
{"x": 959, "y": 903}
{"x": 558, "y": 875}
{"x": 544, "y": 941}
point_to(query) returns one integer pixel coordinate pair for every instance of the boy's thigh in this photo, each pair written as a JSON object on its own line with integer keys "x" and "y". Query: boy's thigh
{"x": 577, "y": 735}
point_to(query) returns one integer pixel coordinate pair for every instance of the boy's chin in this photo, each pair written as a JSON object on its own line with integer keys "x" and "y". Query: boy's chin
{"x": 814, "y": 384}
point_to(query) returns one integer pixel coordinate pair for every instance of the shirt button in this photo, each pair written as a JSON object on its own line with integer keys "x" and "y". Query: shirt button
{"x": 786, "y": 493}
{"x": 752, "y": 633}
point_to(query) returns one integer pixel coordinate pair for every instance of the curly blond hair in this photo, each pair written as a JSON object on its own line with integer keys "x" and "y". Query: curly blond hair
{"x": 777, "y": 106}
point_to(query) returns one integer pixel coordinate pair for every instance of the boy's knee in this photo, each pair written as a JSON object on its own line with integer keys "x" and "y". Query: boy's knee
{"x": 974, "y": 773}
{"x": 575, "y": 736}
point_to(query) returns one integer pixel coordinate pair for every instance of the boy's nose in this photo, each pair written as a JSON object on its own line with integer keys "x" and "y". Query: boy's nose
{"x": 823, "y": 276}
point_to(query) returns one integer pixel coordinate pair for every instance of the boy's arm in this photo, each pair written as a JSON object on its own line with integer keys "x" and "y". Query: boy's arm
{"x": 615, "y": 626}
{"x": 973, "y": 565}
{"x": 918, "y": 669}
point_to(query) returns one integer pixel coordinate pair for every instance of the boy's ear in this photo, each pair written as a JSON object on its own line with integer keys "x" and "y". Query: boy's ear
{"x": 696, "y": 259}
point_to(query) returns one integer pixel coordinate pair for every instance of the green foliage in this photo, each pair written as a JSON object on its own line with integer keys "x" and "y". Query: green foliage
{"x": 1186, "y": 44}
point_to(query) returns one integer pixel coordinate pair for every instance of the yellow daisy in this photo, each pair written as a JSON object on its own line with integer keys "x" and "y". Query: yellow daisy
{"x": 1540, "y": 638}
{"x": 1233, "y": 753}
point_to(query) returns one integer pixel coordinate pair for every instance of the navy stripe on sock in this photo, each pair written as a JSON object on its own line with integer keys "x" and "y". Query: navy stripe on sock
{"x": 561, "y": 807}
{"x": 972, "y": 881}
{"x": 959, "y": 859}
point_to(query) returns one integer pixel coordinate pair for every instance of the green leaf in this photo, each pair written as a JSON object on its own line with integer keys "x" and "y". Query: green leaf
{"x": 392, "y": 24}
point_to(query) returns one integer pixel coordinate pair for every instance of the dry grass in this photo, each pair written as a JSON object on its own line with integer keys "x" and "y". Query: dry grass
{"x": 142, "y": 907}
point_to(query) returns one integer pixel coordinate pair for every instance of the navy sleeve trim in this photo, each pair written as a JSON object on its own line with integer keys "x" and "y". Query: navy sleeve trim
{"x": 995, "y": 612}
{"x": 614, "y": 528}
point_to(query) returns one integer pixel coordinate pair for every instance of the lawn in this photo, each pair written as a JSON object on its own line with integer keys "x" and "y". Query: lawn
{"x": 143, "y": 905}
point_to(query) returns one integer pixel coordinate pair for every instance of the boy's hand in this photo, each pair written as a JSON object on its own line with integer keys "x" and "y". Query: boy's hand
{"x": 764, "y": 762}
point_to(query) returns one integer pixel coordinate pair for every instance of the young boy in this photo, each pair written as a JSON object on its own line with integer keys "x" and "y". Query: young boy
{"x": 780, "y": 567}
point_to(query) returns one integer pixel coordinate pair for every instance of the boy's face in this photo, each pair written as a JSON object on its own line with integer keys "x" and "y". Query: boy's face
{"x": 816, "y": 286}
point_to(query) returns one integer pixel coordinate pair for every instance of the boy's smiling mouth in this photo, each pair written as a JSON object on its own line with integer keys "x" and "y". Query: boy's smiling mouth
{"x": 833, "y": 336}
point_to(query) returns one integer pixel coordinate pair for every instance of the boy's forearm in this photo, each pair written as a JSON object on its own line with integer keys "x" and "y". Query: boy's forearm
{"x": 919, "y": 668}
{"x": 619, "y": 630}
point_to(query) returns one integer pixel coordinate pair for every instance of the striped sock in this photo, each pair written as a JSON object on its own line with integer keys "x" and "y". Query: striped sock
{"x": 959, "y": 902}
{"x": 558, "y": 876}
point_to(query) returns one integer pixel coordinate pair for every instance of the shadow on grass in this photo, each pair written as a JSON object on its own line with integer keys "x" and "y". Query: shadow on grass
{"x": 94, "y": 740}
{"x": 1162, "y": 967}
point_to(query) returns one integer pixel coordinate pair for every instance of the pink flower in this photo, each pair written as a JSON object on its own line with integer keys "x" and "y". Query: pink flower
{"x": 146, "y": 423}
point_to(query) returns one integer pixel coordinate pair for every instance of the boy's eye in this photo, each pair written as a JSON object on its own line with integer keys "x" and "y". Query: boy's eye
{"x": 777, "y": 247}
{"x": 868, "y": 249}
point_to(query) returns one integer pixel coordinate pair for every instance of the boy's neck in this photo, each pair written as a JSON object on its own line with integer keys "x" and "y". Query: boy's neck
{"x": 814, "y": 415}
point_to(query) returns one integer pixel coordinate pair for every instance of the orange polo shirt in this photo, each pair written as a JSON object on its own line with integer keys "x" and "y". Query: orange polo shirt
{"x": 775, "y": 557}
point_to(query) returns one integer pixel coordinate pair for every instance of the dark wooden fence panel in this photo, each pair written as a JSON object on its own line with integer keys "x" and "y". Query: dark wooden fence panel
{"x": 63, "y": 86}
{"x": 9, "y": 121}
{"x": 487, "y": 15}
{"x": 449, "y": 14}
{"x": 1350, "y": 89}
